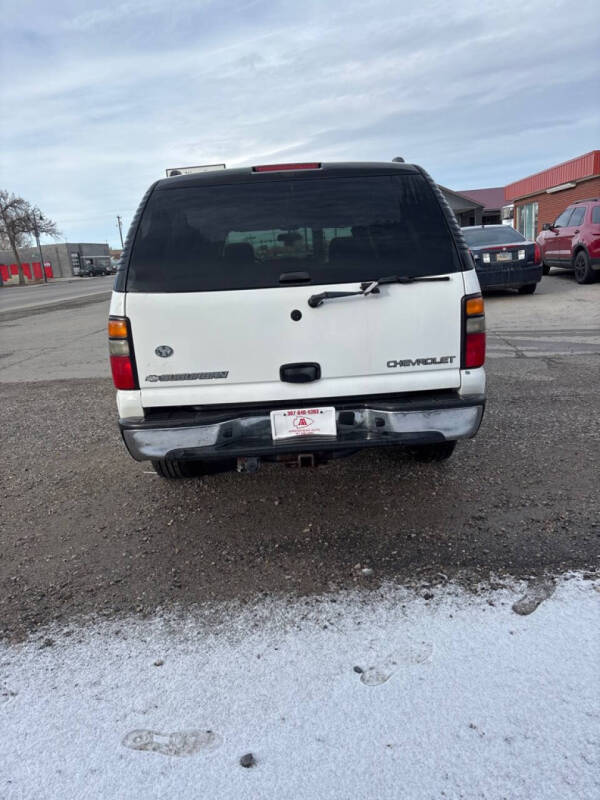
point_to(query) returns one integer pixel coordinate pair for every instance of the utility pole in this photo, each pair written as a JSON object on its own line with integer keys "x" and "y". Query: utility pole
{"x": 36, "y": 233}
{"x": 120, "y": 230}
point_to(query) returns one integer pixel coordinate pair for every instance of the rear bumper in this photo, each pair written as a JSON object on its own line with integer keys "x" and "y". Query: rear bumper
{"x": 240, "y": 432}
{"x": 509, "y": 277}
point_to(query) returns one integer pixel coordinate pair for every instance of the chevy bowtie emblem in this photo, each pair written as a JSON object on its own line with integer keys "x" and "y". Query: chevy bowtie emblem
{"x": 164, "y": 351}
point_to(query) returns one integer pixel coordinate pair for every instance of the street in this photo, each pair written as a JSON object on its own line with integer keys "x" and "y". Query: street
{"x": 61, "y": 292}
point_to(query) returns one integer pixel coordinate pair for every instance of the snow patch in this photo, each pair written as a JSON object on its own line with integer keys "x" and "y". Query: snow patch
{"x": 475, "y": 701}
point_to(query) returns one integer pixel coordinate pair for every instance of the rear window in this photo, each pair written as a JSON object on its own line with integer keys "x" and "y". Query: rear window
{"x": 245, "y": 236}
{"x": 480, "y": 237}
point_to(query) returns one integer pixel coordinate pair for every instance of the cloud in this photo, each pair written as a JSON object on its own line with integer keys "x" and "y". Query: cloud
{"x": 111, "y": 15}
{"x": 102, "y": 98}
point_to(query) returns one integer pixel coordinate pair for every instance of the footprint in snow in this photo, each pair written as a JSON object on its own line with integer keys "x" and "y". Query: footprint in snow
{"x": 536, "y": 593}
{"x": 180, "y": 743}
{"x": 6, "y": 695}
{"x": 382, "y": 671}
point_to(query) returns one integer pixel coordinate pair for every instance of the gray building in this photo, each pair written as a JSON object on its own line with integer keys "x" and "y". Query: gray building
{"x": 66, "y": 258}
{"x": 493, "y": 203}
{"x": 467, "y": 210}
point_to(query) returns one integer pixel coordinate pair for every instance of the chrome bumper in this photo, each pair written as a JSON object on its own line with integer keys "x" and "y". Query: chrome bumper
{"x": 251, "y": 435}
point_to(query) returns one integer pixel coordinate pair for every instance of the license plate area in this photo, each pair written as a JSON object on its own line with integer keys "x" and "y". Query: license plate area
{"x": 504, "y": 257}
{"x": 295, "y": 422}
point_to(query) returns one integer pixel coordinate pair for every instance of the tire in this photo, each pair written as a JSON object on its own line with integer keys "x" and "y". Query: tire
{"x": 172, "y": 469}
{"x": 428, "y": 453}
{"x": 546, "y": 269}
{"x": 529, "y": 288}
{"x": 583, "y": 269}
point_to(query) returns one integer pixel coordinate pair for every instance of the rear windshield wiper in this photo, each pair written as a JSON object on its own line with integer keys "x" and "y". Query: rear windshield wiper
{"x": 371, "y": 287}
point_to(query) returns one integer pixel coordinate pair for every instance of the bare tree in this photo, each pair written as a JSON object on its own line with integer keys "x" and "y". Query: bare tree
{"x": 23, "y": 240}
{"x": 19, "y": 220}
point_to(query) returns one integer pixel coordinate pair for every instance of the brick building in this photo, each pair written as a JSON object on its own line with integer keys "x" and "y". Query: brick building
{"x": 541, "y": 197}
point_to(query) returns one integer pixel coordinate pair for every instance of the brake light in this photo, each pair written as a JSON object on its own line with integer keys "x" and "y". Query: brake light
{"x": 537, "y": 254}
{"x": 122, "y": 372}
{"x": 120, "y": 348}
{"x": 473, "y": 354}
{"x": 284, "y": 167}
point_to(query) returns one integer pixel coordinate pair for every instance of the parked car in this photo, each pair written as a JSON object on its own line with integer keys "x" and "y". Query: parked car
{"x": 94, "y": 266}
{"x": 504, "y": 258}
{"x": 573, "y": 241}
{"x": 295, "y": 313}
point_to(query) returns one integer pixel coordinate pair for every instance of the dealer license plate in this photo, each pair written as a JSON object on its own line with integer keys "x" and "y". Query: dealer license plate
{"x": 504, "y": 257}
{"x": 286, "y": 424}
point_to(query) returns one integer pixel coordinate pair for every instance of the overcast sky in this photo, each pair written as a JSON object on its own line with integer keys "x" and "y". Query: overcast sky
{"x": 99, "y": 98}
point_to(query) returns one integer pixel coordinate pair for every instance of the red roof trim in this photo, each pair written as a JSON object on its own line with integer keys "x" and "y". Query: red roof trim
{"x": 576, "y": 169}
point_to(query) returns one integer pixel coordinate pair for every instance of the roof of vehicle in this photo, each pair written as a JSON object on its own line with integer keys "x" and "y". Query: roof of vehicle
{"x": 479, "y": 227}
{"x": 588, "y": 200}
{"x": 342, "y": 169}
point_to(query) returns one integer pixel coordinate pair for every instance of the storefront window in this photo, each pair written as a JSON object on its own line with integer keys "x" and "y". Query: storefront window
{"x": 527, "y": 220}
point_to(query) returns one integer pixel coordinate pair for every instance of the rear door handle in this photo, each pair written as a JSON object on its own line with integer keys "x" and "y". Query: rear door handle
{"x": 300, "y": 373}
{"x": 577, "y": 231}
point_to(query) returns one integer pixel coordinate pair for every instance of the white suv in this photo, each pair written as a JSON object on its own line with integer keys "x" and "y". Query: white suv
{"x": 295, "y": 312}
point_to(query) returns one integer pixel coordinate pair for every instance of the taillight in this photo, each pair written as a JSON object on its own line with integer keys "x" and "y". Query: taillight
{"x": 537, "y": 254}
{"x": 120, "y": 348}
{"x": 284, "y": 167}
{"x": 473, "y": 354}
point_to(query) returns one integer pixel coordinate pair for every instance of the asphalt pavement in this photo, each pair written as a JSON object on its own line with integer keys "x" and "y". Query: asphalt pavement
{"x": 88, "y": 530}
{"x": 60, "y": 293}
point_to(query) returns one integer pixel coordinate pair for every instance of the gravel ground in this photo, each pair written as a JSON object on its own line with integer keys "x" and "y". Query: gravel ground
{"x": 88, "y": 530}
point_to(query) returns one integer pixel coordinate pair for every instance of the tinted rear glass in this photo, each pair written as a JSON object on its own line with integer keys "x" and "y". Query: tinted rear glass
{"x": 243, "y": 236}
{"x": 480, "y": 237}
